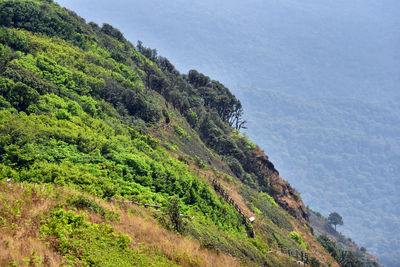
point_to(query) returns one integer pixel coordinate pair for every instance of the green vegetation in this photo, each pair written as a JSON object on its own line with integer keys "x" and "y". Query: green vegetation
{"x": 83, "y": 202}
{"x": 73, "y": 139}
{"x": 84, "y": 72}
{"x": 181, "y": 133}
{"x": 299, "y": 240}
{"x": 79, "y": 105}
{"x": 265, "y": 205}
{"x": 67, "y": 232}
{"x": 66, "y": 111}
{"x": 335, "y": 219}
{"x": 84, "y": 243}
{"x": 172, "y": 211}
{"x": 343, "y": 257}
{"x": 45, "y": 149}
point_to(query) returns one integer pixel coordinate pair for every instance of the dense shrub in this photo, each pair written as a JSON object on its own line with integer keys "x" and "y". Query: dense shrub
{"x": 84, "y": 243}
{"x": 342, "y": 256}
{"x": 329, "y": 246}
{"x": 299, "y": 240}
{"x": 235, "y": 166}
{"x": 13, "y": 39}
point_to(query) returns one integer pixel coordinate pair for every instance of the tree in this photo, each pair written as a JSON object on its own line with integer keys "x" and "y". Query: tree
{"x": 173, "y": 212}
{"x": 146, "y": 51}
{"x": 21, "y": 96}
{"x": 335, "y": 219}
{"x": 113, "y": 32}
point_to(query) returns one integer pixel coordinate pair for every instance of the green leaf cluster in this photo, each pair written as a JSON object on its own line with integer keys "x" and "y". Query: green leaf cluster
{"x": 88, "y": 244}
{"x": 299, "y": 240}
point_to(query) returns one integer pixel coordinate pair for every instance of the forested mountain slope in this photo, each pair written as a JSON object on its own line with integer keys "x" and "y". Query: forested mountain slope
{"x": 307, "y": 50}
{"x": 91, "y": 126}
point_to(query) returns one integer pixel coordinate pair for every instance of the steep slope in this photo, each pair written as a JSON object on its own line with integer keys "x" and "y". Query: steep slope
{"x": 35, "y": 242}
{"x": 86, "y": 117}
{"x": 303, "y": 48}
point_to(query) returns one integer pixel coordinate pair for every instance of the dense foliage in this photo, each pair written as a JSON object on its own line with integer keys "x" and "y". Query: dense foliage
{"x": 61, "y": 123}
{"x": 77, "y": 104}
{"x": 343, "y": 257}
{"x": 297, "y": 237}
{"x": 104, "y": 77}
{"x": 84, "y": 243}
{"x": 269, "y": 45}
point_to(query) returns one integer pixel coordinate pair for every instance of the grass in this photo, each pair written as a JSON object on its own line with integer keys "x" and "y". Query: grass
{"x": 21, "y": 210}
{"x": 28, "y": 207}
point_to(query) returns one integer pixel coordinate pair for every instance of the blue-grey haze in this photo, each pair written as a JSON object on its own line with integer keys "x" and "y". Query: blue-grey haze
{"x": 320, "y": 83}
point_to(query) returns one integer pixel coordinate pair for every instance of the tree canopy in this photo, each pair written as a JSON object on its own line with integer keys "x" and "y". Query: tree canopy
{"x": 335, "y": 219}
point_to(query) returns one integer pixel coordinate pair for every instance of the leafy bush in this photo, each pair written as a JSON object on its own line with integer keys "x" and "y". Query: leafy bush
{"x": 343, "y": 257}
{"x": 329, "y": 245}
{"x": 83, "y": 202}
{"x": 172, "y": 210}
{"x": 192, "y": 117}
{"x": 13, "y": 39}
{"x": 38, "y": 17}
{"x": 199, "y": 162}
{"x": 83, "y": 243}
{"x": 299, "y": 240}
{"x": 235, "y": 166}
{"x": 181, "y": 132}
{"x": 21, "y": 96}
{"x": 314, "y": 262}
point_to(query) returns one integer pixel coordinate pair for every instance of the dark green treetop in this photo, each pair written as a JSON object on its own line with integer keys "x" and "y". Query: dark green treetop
{"x": 335, "y": 219}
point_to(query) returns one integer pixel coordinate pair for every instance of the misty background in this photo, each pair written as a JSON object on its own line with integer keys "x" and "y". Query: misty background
{"x": 320, "y": 84}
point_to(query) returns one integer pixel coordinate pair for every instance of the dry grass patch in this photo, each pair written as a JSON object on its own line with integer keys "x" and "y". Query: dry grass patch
{"x": 23, "y": 206}
{"x": 314, "y": 248}
{"x": 21, "y": 209}
{"x": 182, "y": 250}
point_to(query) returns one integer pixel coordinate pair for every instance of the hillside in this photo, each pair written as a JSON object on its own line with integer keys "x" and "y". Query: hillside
{"x": 110, "y": 156}
{"x": 319, "y": 55}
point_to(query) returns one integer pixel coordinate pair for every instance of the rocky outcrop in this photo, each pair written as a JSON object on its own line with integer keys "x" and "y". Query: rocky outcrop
{"x": 270, "y": 181}
{"x": 288, "y": 198}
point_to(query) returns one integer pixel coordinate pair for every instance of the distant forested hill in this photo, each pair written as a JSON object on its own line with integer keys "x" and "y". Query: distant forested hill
{"x": 342, "y": 155}
{"x": 308, "y": 48}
